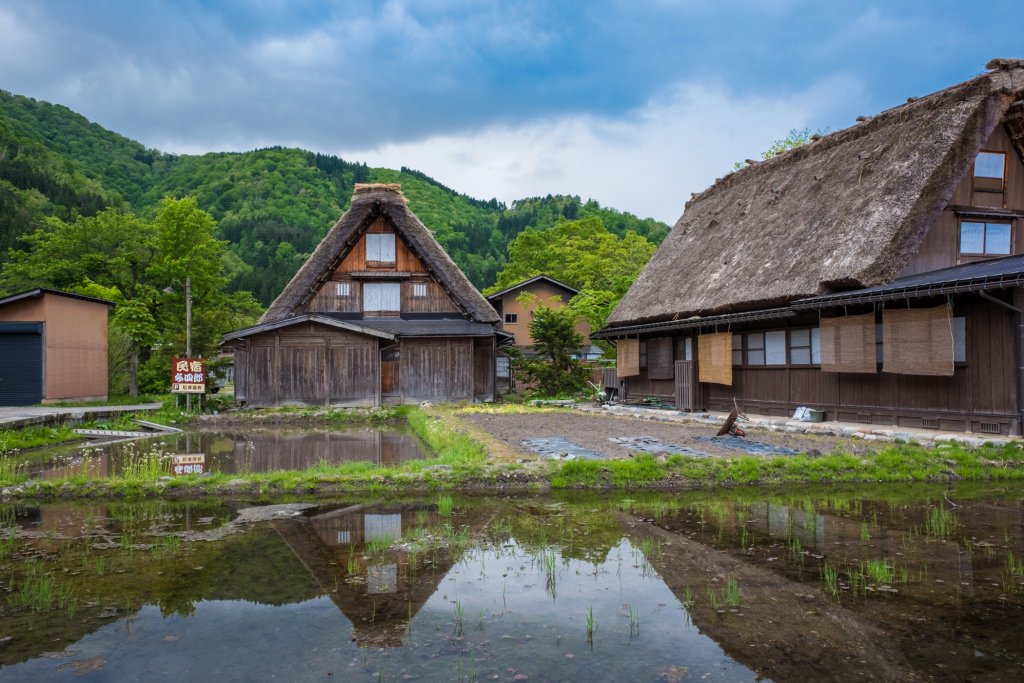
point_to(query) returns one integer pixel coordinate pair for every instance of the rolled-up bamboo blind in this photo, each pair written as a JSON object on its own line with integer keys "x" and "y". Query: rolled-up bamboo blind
{"x": 714, "y": 358}
{"x": 627, "y": 362}
{"x": 918, "y": 341}
{"x": 848, "y": 344}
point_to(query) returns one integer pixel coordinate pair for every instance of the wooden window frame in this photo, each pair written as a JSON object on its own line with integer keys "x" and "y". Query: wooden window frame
{"x": 343, "y": 290}
{"x": 643, "y": 354}
{"x": 809, "y": 346}
{"x": 989, "y": 186}
{"x": 379, "y": 263}
{"x": 984, "y": 236}
{"x": 419, "y": 290}
{"x": 511, "y": 318}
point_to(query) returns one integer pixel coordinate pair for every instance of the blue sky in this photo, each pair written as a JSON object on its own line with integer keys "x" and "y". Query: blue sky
{"x": 635, "y": 103}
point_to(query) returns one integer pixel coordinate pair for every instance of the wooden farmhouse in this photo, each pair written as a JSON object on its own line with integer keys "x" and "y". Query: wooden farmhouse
{"x": 378, "y": 314}
{"x": 516, "y": 312}
{"x": 874, "y": 274}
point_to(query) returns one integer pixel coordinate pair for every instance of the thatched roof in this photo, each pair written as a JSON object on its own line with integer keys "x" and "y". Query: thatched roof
{"x": 370, "y": 202}
{"x": 844, "y": 211}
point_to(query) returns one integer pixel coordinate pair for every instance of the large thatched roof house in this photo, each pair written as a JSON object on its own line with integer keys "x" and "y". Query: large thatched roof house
{"x": 378, "y": 314}
{"x": 872, "y": 273}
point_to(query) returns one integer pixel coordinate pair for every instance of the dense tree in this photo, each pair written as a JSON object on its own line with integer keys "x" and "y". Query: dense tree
{"x": 553, "y": 365}
{"x": 118, "y": 256}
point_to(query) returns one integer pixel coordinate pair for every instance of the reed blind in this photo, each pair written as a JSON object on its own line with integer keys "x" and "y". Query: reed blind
{"x": 659, "y": 358}
{"x": 627, "y": 357}
{"x": 918, "y": 341}
{"x": 714, "y": 358}
{"x": 848, "y": 344}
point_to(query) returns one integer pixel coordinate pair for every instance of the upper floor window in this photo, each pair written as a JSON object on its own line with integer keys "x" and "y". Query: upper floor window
{"x": 343, "y": 288}
{"x": 380, "y": 248}
{"x": 989, "y": 171}
{"x": 382, "y": 296}
{"x": 419, "y": 290}
{"x": 984, "y": 238}
{"x": 511, "y": 318}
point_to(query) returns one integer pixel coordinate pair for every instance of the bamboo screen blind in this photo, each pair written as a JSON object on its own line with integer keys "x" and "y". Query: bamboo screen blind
{"x": 714, "y": 358}
{"x": 659, "y": 358}
{"x": 848, "y": 344}
{"x": 918, "y": 341}
{"x": 628, "y": 357}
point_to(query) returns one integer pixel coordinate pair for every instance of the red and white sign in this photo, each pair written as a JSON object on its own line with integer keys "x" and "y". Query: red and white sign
{"x": 188, "y": 376}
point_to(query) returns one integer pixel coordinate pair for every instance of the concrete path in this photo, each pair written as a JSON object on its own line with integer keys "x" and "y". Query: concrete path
{"x": 17, "y": 417}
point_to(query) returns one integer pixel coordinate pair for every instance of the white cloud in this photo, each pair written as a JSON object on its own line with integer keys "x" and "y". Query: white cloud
{"x": 647, "y": 163}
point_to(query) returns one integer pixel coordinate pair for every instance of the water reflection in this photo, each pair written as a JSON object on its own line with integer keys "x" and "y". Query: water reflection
{"x": 700, "y": 586}
{"x": 245, "y": 451}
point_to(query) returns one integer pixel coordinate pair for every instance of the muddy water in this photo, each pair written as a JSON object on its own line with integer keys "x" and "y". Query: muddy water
{"x": 885, "y": 584}
{"x": 245, "y": 451}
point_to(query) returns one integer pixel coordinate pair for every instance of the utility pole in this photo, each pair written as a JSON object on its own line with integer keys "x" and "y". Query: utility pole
{"x": 188, "y": 331}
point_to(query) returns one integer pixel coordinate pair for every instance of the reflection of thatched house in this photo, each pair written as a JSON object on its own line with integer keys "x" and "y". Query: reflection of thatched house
{"x": 378, "y": 314}
{"x": 873, "y": 273}
{"x": 391, "y": 588}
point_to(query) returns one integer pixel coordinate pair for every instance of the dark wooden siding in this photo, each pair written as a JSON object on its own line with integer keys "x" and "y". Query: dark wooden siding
{"x": 437, "y": 369}
{"x": 483, "y": 368}
{"x": 308, "y": 363}
{"x": 981, "y": 393}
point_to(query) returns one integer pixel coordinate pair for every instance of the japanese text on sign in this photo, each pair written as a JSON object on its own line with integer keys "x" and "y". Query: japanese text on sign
{"x": 189, "y": 463}
{"x": 188, "y": 376}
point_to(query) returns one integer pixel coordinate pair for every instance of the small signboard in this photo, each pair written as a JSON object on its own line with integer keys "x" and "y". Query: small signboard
{"x": 188, "y": 463}
{"x": 188, "y": 376}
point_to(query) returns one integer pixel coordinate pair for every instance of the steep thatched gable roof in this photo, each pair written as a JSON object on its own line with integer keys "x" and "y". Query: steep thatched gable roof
{"x": 370, "y": 202}
{"x": 847, "y": 210}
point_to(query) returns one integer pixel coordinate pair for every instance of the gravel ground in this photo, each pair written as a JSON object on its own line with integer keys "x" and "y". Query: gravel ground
{"x": 595, "y": 432}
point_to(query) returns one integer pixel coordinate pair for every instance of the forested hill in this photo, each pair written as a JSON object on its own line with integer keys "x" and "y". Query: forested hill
{"x": 272, "y": 205}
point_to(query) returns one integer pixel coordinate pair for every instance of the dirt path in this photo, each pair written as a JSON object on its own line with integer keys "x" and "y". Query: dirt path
{"x": 596, "y": 433}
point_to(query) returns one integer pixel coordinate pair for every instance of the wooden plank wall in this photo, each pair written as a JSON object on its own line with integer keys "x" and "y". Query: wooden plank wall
{"x": 437, "y": 369}
{"x": 310, "y": 364}
{"x": 982, "y": 390}
{"x": 483, "y": 368}
{"x": 326, "y": 300}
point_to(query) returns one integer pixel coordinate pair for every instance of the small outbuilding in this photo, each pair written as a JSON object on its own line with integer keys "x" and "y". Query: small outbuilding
{"x": 378, "y": 314}
{"x": 53, "y": 347}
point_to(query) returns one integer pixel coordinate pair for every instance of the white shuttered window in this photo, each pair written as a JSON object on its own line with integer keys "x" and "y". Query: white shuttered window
{"x": 380, "y": 247}
{"x": 382, "y": 296}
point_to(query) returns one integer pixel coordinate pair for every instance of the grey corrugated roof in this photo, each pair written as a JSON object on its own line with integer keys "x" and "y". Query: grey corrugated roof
{"x": 968, "y": 277}
{"x": 39, "y": 291}
{"x": 428, "y": 328}
{"x": 692, "y": 323}
{"x": 535, "y": 278}
{"x": 339, "y": 323}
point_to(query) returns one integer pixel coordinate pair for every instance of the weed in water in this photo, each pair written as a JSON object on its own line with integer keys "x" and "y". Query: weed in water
{"x": 444, "y": 506}
{"x": 830, "y": 576}
{"x": 591, "y": 625}
{"x": 634, "y": 622}
{"x": 733, "y": 597}
{"x": 941, "y": 523}
{"x": 865, "y": 534}
{"x": 687, "y": 597}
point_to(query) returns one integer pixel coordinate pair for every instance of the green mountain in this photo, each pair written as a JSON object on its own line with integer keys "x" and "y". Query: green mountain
{"x": 272, "y": 205}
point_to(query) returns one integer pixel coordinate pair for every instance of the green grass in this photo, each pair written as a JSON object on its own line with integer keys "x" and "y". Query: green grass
{"x": 34, "y": 437}
{"x": 461, "y": 461}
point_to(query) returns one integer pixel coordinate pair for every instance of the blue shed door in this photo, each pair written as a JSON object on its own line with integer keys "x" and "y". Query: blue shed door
{"x": 21, "y": 364}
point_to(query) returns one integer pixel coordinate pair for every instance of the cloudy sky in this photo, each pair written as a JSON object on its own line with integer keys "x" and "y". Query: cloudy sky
{"x": 635, "y": 103}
